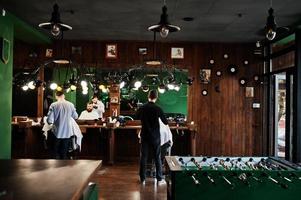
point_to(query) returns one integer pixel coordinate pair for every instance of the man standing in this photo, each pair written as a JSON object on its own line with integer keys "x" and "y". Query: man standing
{"x": 60, "y": 114}
{"x": 89, "y": 113}
{"x": 98, "y": 106}
{"x": 149, "y": 115}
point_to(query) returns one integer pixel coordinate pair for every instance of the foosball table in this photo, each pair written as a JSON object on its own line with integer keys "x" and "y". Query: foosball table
{"x": 243, "y": 178}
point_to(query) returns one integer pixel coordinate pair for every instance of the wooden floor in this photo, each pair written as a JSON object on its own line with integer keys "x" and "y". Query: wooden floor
{"x": 121, "y": 181}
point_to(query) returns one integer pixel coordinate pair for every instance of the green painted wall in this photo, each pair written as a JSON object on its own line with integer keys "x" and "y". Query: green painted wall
{"x": 6, "y": 72}
{"x": 170, "y": 101}
{"x": 62, "y": 76}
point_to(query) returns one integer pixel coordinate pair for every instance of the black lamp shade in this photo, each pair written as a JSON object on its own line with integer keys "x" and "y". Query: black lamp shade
{"x": 164, "y": 23}
{"x": 55, "y": 20}
{"x": 271, "y": 24}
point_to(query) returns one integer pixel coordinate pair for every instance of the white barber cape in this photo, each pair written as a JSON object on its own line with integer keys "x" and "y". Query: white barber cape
{"x": 165, "y": 133}
{"x": 74, "y": 127}
{"x": 85, "y": 115}
{"x": 76, "y": 131}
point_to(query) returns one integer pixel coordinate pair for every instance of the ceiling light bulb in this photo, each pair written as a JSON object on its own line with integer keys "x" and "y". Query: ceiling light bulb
{"x": 122, "y": 84}
{"x": 137, "y": 84}
{"x": 161, "y": 90}
{"x": 84, "y": 83}
{"x": 177, "y": 88}
{"x": 25, "y": 87}
{"x": 59, "y": 88}
{"x": 53, "y": 86}
{"x": 164, "y": 32}
{"x": 73, "y": 87}
{"x": 271, "y": 34}
{"x": 31, "y": 85}
{"x": 104, "y": 90}
{"x": 145, "y": 88}
{"x": 102, "y": 87}
{"x": 171, "y": 86}
{"x": 85, "y": 92}
{"x": 55, "y": 30}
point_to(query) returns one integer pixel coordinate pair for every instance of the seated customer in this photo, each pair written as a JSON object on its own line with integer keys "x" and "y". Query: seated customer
{"x": 89, "y": 113}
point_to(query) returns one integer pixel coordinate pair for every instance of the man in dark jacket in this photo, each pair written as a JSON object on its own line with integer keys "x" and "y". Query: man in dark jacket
{"x": 149, "y": 115}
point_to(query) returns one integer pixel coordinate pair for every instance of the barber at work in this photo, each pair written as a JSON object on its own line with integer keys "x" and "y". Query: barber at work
{"x": 149, "y": 114}
{"x": 61, "y": 113}
{"x": 89, "y": 113}
{"x": 98, "y": 106}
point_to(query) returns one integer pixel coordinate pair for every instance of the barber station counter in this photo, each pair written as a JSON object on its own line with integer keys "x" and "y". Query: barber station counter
{"x": 100, "y": 141}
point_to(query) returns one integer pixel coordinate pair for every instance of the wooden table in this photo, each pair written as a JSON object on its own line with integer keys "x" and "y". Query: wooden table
{"x": 45, "y": 179}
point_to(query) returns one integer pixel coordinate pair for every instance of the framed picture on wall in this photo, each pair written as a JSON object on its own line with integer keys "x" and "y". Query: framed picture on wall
{"x": 249, "y": 91}
{"x": 111, "y": 51}
{"x": 5, "y": 50}
{"x": 205, "y": 75}
{"x": 114, "y": 99}
{"x": 76, "y": 50}
{"x": 48, "y": 53}
{"x": 177, "y": 53}
{"x": 142, "y": 51}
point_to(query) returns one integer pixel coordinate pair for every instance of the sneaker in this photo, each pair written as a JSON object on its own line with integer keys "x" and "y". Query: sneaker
{"x": 161, "y": 182}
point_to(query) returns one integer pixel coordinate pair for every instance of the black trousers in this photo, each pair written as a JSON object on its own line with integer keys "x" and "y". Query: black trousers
{"x": 147, "y": 146}
{"x": 61, "y": 147}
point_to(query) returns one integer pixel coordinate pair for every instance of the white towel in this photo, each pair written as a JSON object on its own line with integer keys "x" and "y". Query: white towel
{"x": 47, "y": 127}
{"x": 165, "y": 133}
{"x": 76, "y": 131}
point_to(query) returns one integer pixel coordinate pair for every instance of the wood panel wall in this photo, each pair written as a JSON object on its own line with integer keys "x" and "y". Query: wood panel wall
{"x": 227, "y": 123}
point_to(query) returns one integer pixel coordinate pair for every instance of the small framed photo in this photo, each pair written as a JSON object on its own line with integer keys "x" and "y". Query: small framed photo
{"x": 111, "y": 51}
{"x": 142, "y": 51}
{"x": 114, "y": 99}
{"x": 76, "y": 50}
{"x": 249, "y": 91}
{"x": 205, "y": 75}
{"x": 177, "y": 53}
{"x": 49, "y": 53}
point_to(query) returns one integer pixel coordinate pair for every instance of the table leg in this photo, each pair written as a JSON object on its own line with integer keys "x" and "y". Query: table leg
{"x": 193, "y": 142}
{"x": 29, "y": 142}
{"x": 111, "y": 146}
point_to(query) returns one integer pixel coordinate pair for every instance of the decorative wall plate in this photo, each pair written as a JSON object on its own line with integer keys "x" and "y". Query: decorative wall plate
{"x": 242, "y": 81}
{"x": 5, "y": 50}
{"x": 256, "y": 77}
{"x": 218, "y": 73}
{"x": 232, "y": 69}
{"x": 204, "y": 92}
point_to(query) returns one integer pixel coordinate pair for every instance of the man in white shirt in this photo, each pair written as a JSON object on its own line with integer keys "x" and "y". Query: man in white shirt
{"x": 98, "y": 106}
{"x": 89, "y": 113}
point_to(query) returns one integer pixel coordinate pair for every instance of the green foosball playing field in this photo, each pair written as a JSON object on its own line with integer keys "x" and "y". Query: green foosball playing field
{"x": 241, "y": 178}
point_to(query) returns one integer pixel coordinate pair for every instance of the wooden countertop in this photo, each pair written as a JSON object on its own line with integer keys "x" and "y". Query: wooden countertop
{"x": 45, "y": 179}
{"x": 83, "y": 126}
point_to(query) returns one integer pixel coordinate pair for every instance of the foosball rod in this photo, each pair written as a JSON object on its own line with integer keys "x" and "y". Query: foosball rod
{"x": 195, "y": 180}
{"x": 200, "y": 168}
{"x": 275, "y": 181}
